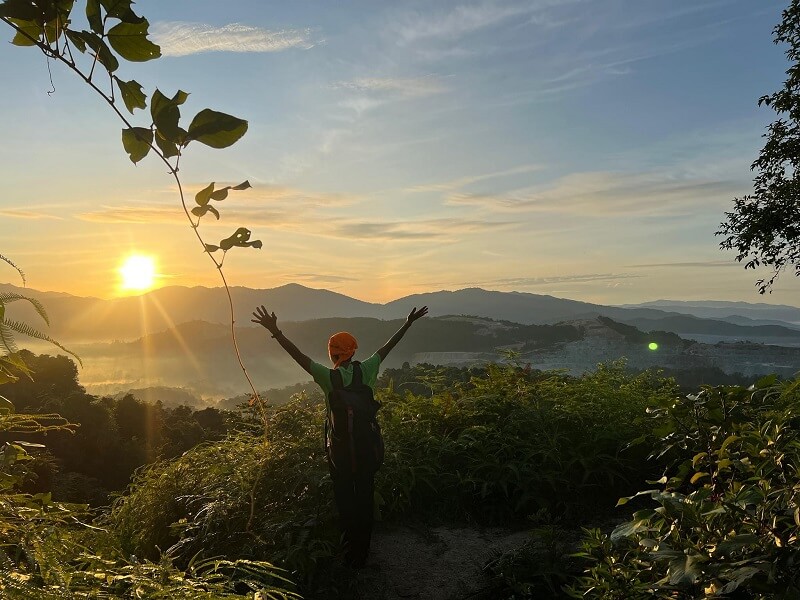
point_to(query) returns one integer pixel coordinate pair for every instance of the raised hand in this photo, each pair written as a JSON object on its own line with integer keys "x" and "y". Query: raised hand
{"x": 416, "y": 314}
{"x": 265, "y": 319}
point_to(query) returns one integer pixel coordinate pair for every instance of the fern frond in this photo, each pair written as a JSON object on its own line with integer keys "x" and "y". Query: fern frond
{"x": 15, "y": 360}
{"x": 26, "y": 329}
{"x": 7, "y": 343}
{"x": 6, "y": 297}
{"x": 10, "y": 262}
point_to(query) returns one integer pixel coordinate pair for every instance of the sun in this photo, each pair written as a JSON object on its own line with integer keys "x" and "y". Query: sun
{"x": 138, "y": 272}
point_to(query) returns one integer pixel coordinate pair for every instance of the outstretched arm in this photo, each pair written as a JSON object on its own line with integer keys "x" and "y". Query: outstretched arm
{"x": 413, "y": 316}
{"x": 270, "y": 323}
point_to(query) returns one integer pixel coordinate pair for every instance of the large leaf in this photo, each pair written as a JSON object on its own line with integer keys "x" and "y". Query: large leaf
{"x": 101, "y": 50}
{"x": 137, "y": 141}
{"x": 132, "y": 94}
{"x": 216, "y": 129}
{"x": 166, "y": 114}
{"x": 121, "y": 9}
{"x": 168, "y": 148}
{"x": 24, "y": 10}
{"x": 28, "y": 32}
{"x": 203, "y": 196}
{"x": 130, "y": 41}
{"x": 93, "y": 16}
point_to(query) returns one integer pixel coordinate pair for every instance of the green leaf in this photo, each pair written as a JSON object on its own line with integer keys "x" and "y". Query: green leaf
{"x": 93, "y": 16}
{"x": 27, "y": 30}
{"x": 222, "y": 193}
{"x": 130, "y": 41}
{"x": 200, "y": 211}
{"x": 169, "y": 149}
{"x": 103, "y": 53}
{"x": 241, "y": 239}
{"x": 216, "y": 129}
{"x": 23, "y": 10}
{"x": 203, "y": 196}
{"x": 6, "y": 405}
{"x": 132, "y": 94}
{"x": 166, "y": 114}
{"x": 136, "y": 141}
{"x": 697, "y": 477}
{"x": 76, "y": 39}
{"x": 121, "y": 9}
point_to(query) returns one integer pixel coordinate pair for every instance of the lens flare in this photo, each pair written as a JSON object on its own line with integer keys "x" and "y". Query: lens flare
{"x": 652, "y": 346}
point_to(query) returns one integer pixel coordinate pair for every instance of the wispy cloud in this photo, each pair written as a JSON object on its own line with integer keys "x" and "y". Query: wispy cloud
{"x": 462, "y": 182}
{"x": 183, "y": 39}
{"x": 581, "y": 278}
{"x": 21, "y": 213}
{"x": 319, "y": 278}
{"x": 430, "y": 229}
{"x": 693, "y": 264}
{"x": 134, "y": 214}
{"x": 610, "y": 194}
{"x": 411, "y": 86}
{"x": 465, "y": 19}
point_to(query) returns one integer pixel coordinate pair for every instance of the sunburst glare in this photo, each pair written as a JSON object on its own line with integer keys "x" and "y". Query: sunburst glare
{"x": 137, "y": 273}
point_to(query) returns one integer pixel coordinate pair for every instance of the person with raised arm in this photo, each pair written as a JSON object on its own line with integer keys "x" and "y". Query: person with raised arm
{"x": 353, "y": 442}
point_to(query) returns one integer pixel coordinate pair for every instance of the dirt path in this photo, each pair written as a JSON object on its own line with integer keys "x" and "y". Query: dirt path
{"x": 441, "y": 563}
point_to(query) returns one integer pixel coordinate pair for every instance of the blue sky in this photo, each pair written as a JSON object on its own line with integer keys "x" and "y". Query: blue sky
{"x": 581, "y": 148}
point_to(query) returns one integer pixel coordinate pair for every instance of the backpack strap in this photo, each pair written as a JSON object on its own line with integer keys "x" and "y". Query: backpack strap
{"x": 336, "y": 379}
{"x": 357, "y": 380}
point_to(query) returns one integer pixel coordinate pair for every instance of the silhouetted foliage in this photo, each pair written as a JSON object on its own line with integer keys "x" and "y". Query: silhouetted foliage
{"x": 764, "y": 227}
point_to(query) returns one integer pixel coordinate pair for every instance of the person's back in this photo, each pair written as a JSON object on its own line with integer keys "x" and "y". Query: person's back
{"x": 349, "y": 395}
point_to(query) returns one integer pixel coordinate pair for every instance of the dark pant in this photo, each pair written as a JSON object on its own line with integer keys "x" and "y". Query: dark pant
{"x": 354, "y": 493}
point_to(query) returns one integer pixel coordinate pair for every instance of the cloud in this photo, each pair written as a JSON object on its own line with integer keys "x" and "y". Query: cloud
{"x": 21, "y": 213}
{"x": 462, "y": 182}
{"x": 407, "y": 87}
{"x": 468, "y": 18}
{"x": 135, "y": 214}
{"x": 183, "y": 39}
{"x": 535, "y": 281}
{"x": 319, "y": 278}
{"x": 684, "y": 265}
{"x": 610, "y": 194}
{"x": 431, "y": 229}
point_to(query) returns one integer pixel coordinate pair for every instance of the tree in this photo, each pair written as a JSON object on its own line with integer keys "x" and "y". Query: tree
{"x": 764, "y": 227}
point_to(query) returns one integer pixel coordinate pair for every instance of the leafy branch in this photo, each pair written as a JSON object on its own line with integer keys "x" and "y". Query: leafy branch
{"x": 116, "y": 31}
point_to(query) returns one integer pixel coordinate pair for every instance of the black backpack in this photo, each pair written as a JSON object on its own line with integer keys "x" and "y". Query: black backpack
{"x": 353, "y": 440}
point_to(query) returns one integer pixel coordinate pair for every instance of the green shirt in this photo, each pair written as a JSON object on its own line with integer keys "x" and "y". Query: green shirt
{"x": 369, "y": 374}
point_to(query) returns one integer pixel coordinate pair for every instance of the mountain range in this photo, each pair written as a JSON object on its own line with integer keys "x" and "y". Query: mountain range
{"x": 84, "y": 319}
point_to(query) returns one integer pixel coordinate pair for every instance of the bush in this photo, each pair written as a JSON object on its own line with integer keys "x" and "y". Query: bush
{"x": 724, "y": 520}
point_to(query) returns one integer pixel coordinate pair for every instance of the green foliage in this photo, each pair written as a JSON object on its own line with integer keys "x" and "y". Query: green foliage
{"x": 513, "y": 442}
{"x": 764, "y": 228}
{"x": 495, "y": 449}
{"x": 724, "y": 520}
{"x": 49, "y": 549}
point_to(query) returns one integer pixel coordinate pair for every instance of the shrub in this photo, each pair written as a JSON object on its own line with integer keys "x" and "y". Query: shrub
{"x": 725, "y": 518}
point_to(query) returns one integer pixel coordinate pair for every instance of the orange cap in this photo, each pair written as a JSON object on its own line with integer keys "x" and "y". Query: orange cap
{"x": 342, "y": 345}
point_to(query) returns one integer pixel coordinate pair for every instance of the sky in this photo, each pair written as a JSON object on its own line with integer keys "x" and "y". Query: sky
{"x": 586, "y": 149}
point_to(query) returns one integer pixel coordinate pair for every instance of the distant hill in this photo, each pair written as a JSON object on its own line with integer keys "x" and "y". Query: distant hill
{"x": 75, "y": 319}
{"x": 197, "y": 356}
{"x": 716, "y": 309}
